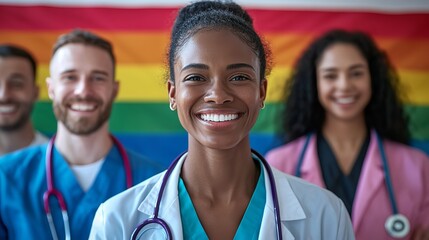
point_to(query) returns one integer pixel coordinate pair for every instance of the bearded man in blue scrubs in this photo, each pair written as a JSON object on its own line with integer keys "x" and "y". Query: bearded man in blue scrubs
{"x": 18, "y": 93}
{"x": 86, "y": 165}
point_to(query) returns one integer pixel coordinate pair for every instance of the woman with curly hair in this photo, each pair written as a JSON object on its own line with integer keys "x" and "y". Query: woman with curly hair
{"x": 345, "y": 129}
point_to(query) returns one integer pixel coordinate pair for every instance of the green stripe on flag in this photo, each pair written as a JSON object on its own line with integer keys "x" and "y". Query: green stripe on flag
{"x": 139, "y": 117}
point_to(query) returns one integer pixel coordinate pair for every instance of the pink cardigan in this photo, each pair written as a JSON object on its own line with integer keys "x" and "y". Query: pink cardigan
{"x": 409, "y": 170}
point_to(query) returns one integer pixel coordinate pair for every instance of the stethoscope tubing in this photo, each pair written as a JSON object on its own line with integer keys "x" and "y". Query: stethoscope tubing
{"x": 275, "y": 197}
{"x": 155, "y": 219}
{"x": 387, "y": 177}
{"x": 383, "y": 159}
{"x": 301, "y": 156}
{"x": 53, "y": 192}
{"x": 388, "y": 181}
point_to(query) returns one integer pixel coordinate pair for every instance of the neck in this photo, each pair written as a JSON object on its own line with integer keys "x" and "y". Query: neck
{"x": 83, "y": 149}
{"x": 345, "y": 133}
{"x": 17, "y": 139}
{"x": 346, "y": 139}
{"x": 220, "y": 175}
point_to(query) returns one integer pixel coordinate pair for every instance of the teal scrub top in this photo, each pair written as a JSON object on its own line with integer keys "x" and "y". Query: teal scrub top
{"x": 250, "y": 223}
{"x": 23, "y": 183}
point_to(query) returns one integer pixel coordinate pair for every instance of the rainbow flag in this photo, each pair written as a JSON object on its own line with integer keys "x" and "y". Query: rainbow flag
{"x": 139, "y": 31}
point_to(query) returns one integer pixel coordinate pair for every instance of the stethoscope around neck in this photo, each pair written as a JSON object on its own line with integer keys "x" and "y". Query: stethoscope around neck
{"x": 396, "y": 225}
{"x": 157, "y": 221}
{"x": 53, "y": 192}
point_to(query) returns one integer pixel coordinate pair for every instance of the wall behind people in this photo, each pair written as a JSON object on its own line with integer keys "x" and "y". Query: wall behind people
{"x": 141, "y": 118}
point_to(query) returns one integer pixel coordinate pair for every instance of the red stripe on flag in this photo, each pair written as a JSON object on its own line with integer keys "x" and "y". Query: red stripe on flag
{"x": 316, "y": 22}
{"x": 410, "y": 25}
{"x": 60, "y": 18}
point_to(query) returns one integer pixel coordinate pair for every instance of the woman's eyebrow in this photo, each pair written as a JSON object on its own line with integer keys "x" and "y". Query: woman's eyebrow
{"x": 239, "y": 65}
{"x": 195, "y": 65}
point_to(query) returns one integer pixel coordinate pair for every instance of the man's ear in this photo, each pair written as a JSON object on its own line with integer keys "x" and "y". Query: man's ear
{"x": 36, "y": 93}
{"x": 115, "y": 88}
{"x": 172, "y": 94}
{"x": 50, "y": 87}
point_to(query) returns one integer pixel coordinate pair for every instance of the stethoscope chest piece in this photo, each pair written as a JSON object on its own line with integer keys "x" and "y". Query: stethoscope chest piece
{"x": 397, "y": 226}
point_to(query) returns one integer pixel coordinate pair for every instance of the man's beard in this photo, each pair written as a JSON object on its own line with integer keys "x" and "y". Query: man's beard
{"x": 83, "y": 125}
{"x": 25, "y": 113}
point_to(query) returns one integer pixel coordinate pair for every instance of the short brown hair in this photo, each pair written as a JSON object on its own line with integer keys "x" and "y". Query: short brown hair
{"x": 10, "y": 50}
{"x": 86, "y": 38}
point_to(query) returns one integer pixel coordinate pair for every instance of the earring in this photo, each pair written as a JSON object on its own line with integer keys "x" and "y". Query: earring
{"x": 172, "y": 108}
{"x": 263, "y": 105}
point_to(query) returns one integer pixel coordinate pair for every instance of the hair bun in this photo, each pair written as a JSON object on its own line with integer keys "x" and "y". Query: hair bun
{"x": 202, "y": 7}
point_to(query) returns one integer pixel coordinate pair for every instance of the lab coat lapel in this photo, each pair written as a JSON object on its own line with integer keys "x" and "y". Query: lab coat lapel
{"x": 169, "y": 209}
{"x": 370, "y": 181}
{"x": 288, "y": 212}
{"x": 310, "y": 169}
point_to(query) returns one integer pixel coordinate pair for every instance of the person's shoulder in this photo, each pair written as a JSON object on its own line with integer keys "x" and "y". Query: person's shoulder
{"x": 23, "y": 156}
{"x": 310, "y": 195}
{"x": 132, "y": 197}
{"x": 23, "y": 163}
{"x": 285, "y": 157}
{"x": 287, "y": 148}
{"x": 141, "y": 161}
{"x": 322, "y": 215}
{"x": 138, "y": 157}
{"x": 39, "y": 139}
{"x": 402, "y": 151}
{"x": 117, "y": 216}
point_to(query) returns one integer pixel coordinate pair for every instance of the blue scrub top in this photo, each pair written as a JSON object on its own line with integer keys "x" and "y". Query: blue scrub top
{"x": 250, "y": 223}
{"x": 23, "y": 183}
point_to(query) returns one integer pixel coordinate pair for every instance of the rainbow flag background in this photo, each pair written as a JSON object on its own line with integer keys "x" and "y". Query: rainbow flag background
{"x": 139, "y": 31}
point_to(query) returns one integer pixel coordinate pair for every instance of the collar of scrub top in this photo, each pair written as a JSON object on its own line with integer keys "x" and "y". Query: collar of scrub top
{"x": 52, "y": 191}
{"x": 396, "y": 225}
{"x": 154, "y": 219}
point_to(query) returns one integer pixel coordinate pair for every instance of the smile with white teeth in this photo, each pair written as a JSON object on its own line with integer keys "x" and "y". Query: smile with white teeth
{"x": 219, "y": 117}
{"x": 82, "y": 107}
{"x": 7, "y": 108}
{"x": 346, "y": 100}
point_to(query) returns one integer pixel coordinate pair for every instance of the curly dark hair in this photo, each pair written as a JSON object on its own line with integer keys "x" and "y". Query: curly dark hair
{"x": 303, "y": 112}
{"x": 206, "y": 15}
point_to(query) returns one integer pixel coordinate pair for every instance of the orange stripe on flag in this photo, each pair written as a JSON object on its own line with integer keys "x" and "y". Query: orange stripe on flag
{"x": 129, "y": 47}
{"x": 151, "y": 47}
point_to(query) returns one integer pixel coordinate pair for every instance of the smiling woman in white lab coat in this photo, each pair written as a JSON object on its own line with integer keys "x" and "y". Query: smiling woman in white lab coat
{"x": 220, "y": 189}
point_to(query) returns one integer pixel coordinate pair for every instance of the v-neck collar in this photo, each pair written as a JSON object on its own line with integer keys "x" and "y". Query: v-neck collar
{"x": 249, "y": 225}
{"x": 66, "y": 182}
{"x": 343, "y": 185}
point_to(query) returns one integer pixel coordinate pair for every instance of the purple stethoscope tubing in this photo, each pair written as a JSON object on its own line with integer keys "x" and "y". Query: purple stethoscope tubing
{"x": 275, "y": 197}
{"x": 52, "y": 191}
{"x": 156, "y": 220}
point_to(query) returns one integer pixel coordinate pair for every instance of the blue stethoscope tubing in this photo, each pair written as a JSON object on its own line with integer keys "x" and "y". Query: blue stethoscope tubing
{"x": 156, "y": 220}
{"x": 53, "y": 192}
{"x": 396, "y": 217}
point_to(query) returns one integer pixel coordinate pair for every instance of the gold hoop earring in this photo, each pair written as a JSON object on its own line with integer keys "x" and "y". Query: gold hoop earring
{"x": 263, "y": 105}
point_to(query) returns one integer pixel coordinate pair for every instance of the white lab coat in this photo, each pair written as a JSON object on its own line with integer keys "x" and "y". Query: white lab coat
{"x": 306, "y": 211}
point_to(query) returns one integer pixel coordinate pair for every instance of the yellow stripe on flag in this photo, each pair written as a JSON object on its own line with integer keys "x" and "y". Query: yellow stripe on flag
{"x": 146, "y": 83}
{"x": 416, "y": 86}
{"x": 143, "y": 83}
